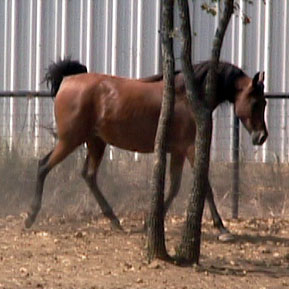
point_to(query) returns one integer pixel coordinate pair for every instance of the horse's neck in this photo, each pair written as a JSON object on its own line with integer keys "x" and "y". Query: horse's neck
{"x": 228, "y": 77}
{"x": 226, "y": 90}
{"x": 222, "y": 95}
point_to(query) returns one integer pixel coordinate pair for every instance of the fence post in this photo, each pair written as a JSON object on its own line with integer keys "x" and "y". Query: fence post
{"x": 235, "y": 193}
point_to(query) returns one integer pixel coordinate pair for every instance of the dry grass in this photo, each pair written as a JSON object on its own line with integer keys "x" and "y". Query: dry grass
{"x": 126, "y": 184}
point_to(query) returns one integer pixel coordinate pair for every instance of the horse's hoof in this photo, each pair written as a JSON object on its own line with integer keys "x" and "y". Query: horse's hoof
{"x": 226, "y": 237}
{"x": 116, "y": 226}
{"x": 28, "y": 222}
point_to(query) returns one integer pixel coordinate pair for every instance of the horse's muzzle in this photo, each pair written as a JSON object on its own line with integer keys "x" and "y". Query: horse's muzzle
{"x": 259, "y": 137}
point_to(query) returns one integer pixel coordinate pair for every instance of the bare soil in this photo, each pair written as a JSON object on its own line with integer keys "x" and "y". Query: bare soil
{"x": 86, "y": 253}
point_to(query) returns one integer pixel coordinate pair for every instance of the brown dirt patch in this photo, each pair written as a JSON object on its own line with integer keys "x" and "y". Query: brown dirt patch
{"x": 66, "y": 253}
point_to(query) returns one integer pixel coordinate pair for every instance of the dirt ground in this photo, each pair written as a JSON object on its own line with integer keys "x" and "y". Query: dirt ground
{"x": 86, "y": 254}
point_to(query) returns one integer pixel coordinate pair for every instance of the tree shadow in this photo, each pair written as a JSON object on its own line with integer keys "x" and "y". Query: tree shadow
{"x": 271, "y": 267}
{"x": 227, "y": 270}
{"x": 253, "y": 239}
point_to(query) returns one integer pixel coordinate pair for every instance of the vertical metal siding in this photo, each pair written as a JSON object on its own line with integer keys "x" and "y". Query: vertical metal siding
{"x": 122, "y": 38}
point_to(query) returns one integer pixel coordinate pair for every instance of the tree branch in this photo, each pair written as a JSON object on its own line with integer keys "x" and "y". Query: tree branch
{"x": 211, "y": 81}
{"x": 192, "y": 89}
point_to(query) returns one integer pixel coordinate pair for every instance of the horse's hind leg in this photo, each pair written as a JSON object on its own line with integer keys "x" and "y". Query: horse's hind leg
{"x": 176, "y": 169}
{"x": 96, "y": 149}
{"x": 61, "y": 150}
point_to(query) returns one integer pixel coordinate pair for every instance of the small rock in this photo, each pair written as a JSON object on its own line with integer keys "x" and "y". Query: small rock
{"x": 78, "y": 235}
{"x": 276, "y": 255}
{"x": 9, "y": 218}
{"x": 127, "y": 266}
{"x": 23, "y": 271}
{"x": 83, "y": 257}
{"x": 154, "y": 265}
{"x": 227, "y": 237}
{"x": 264, "y": 250}
{"x": 42, "y": 234}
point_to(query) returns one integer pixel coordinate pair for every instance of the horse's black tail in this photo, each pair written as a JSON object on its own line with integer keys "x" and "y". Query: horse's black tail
{"x": 58, "y": 70}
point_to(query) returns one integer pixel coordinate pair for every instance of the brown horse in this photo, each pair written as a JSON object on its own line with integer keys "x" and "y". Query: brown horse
{"x": 99, "y": 109}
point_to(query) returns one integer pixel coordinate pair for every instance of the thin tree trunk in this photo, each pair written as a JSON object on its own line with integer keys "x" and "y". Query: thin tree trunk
{"x": 156, "y": 236}
{"x": 211, "y": 86}
{"x": 189, "y": 249}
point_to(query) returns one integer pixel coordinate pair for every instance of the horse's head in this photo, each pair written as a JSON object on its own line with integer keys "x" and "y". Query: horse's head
{"x": 250, "y": 106}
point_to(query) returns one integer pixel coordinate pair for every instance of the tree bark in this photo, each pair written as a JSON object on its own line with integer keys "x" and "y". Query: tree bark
{"x": 189, "y": 249}
{"x": 156, "y": 236}
{"x": 211, "y": 86}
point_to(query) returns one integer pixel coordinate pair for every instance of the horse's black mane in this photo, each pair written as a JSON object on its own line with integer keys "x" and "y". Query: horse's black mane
{"x": 227, "y": 75}
{"x": 57, "y": 71}
{"x": 156, "y": 77}
{"x": 201, "y": 69}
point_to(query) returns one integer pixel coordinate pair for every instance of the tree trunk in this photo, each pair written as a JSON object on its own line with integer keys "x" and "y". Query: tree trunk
{"x": 189, "y": 249}
{"x": 156, "y": 236}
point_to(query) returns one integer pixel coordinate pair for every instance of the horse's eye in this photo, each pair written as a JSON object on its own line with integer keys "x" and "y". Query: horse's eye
{"x": 259, "y": 89}
{"x": 258, "y": 106}
{"x": 255, "y": 106}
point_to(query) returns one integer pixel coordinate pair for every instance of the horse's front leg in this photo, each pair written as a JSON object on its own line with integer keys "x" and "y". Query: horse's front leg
{"x": 225, "y": 235}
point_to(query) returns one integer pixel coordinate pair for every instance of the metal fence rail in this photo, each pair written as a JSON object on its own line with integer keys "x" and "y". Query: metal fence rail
{"x": 25, "y": 93}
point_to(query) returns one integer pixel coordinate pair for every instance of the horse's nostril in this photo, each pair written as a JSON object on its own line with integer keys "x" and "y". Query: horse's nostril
{"x": 263, "y": 138}
{"x": 258, "y": 138}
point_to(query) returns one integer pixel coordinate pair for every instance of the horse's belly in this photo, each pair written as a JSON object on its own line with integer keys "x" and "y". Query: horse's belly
{"x": 132, "y": 139}
{"x": 141, "y": 139}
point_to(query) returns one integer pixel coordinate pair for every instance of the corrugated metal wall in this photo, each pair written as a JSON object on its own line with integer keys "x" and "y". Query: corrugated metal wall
{"x": 122, "y": 37}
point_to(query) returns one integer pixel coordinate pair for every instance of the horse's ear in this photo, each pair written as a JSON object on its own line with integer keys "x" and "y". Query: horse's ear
{"x": 258, "y": 78}
{"x": 262, "y": 76}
